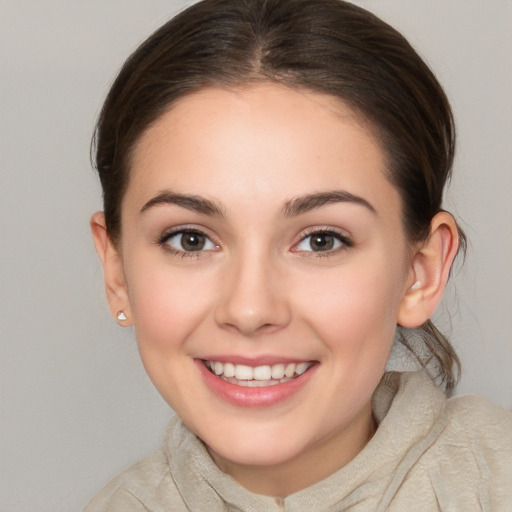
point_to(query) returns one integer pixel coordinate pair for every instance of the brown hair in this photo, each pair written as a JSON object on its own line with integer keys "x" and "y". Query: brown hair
{"x": 326, "y": 46}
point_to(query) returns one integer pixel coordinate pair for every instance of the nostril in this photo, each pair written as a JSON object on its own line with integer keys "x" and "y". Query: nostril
{"x": 251, "y": 329}
{"x": 269, "y": 328}
{"x": 251, "y": 302}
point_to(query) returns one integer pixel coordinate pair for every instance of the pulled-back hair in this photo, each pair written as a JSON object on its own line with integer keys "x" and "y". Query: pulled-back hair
{"x": 325, "y": 46}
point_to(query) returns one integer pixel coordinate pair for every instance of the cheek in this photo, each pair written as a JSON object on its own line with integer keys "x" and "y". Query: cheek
{"x": 356, "y": 310}
{"x": 167, "y": 307}
{"x": 167, "y": 304}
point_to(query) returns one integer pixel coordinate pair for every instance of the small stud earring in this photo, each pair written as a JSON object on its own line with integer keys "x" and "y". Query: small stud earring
{"x": 416, "y": 285}
{"x": 121, "y": 316}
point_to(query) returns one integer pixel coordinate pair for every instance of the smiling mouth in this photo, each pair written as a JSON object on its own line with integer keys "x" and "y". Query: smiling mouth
{"x": 259, "y": 376}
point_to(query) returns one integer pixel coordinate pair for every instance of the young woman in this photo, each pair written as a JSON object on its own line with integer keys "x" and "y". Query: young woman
{"x": 273, "y": 172}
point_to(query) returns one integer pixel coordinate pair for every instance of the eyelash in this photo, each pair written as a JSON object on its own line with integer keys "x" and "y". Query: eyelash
{"x": 344, "y": 241}
{"x": 164, "y": 239}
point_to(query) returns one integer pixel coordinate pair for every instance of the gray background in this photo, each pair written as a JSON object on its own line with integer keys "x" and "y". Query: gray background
{"x": 76, "y": 406}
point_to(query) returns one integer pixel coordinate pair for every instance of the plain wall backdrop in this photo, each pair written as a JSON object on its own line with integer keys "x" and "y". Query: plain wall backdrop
{"x": 76, "y": 405}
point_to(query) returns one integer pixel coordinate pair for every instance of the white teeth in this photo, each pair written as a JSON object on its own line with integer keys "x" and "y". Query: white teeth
{"x": 289, "y": 370}
{"x": 278, "y": 371}
{"x": 243, "y": 372}
{"x": 259, "y": 375}
{"x": 218, "y": 368}
{"x": 301, "y": 368}
{"x": 257, "y": 383}
{"x": 262, "y": 373}
{"x": 229, "y": 370}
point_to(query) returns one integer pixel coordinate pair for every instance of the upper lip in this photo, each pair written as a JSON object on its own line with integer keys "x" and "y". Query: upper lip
{"x": 264, "y": 360}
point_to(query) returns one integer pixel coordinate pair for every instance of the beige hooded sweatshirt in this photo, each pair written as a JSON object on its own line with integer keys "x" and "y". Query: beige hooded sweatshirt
{"x": 428, "y": 454}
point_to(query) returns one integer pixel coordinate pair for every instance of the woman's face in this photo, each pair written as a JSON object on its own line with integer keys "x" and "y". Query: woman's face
{"x": 265, "y": 262}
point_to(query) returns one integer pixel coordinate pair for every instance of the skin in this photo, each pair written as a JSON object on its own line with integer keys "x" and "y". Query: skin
{"x": 258, "y": 289}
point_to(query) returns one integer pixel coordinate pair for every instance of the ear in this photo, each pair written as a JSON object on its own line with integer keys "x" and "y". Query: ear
{"x": 431, "y": 265}
{"x": 115, "y": 285}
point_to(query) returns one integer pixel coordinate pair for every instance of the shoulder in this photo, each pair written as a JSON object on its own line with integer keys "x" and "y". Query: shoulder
{"x": 471, "y": 456}
{"x": 138, "y": 488}
{"x": 483, "y": 431}
{"x": 480, "y": 423}
{"x": 459, "y": 456}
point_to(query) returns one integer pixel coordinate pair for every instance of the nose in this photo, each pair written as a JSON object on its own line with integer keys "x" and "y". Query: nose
{"x": 253, "y": 300}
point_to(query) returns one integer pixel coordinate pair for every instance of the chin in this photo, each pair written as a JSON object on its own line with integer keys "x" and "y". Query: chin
{"x": 258, "y": 443}
{"x": 253, "y": 454}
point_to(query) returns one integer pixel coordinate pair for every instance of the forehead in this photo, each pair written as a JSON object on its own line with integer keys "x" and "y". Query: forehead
{"x": 260, "y": 140}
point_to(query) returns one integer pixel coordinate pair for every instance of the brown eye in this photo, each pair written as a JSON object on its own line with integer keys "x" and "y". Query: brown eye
{"x": 189, "y": 241}
{"x": 323, "y": 241}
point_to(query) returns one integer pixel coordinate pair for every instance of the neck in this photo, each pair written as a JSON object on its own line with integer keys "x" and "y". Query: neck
{"x": 309, "y": 467}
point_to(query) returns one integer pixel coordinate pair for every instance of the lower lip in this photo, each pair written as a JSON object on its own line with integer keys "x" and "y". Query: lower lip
{"x": 242, "y": 396}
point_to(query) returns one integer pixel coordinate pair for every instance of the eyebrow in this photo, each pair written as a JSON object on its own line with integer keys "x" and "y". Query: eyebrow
{"x": 303, "y": 204}
{"x": 292, "y": 208}
{"x": 190, "y": 202}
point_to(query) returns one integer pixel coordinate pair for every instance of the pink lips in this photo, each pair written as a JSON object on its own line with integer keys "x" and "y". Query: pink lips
{"x": 253, "y": 396}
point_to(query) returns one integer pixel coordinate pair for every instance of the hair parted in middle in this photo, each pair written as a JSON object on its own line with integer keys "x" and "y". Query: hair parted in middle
{"x": 325, "y": 46}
